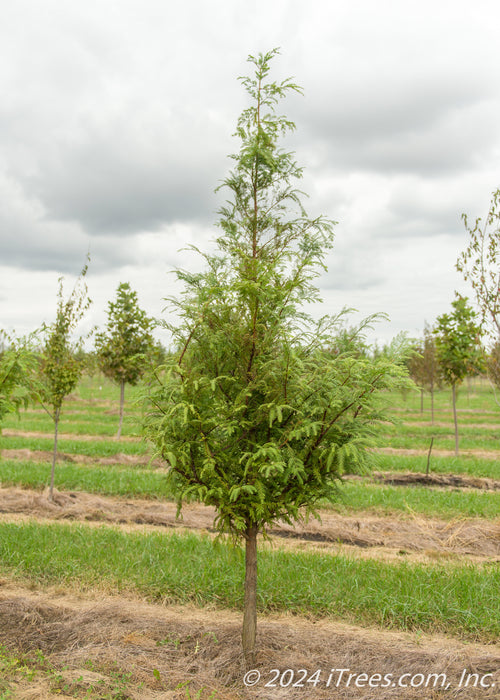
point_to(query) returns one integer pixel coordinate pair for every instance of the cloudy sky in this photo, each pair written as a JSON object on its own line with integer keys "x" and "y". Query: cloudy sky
{"x": 116, "y": 119}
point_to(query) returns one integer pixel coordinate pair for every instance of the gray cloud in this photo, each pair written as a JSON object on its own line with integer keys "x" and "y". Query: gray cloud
{"x": 116, "y": 121}
{"x": 131, "y": 176}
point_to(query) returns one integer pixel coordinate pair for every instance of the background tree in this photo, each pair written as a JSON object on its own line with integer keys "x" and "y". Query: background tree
{"x": 123, "y": 348}
{"x": 423, "y": 367}
{"x": 458, "y": 348}
{"x": 480, "y": 263}
{"x": 493, "y": 368}
{"x": 254, "y": 414}
{"x": 60, "y": 367}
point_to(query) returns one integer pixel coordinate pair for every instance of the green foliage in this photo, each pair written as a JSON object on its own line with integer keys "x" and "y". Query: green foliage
{"x": 423, "y": 364}
{"x": 253, "y": 412}
{"x": 493, "y": 365}
{"x": 18, "y": 363}
{"x": 480, "y": 262}
{"x": 123, "y": 348}
{"x": 458, "y": 344}
{"x": 61, "y": 365}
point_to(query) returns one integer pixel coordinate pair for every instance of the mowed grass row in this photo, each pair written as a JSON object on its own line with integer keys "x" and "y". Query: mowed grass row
{"x": 474, "y": 396}
{"x": 465, "y": 465}
{"x": 353, "y": 497}
{"x": 407, "y": 438}
{"x": 461, "y": 600}
{"x": 88, "y": 448}
{"x": 99, "y": 423}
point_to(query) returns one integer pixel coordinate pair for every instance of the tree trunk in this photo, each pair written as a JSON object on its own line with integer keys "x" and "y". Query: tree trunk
{"x": 421, "y": 400}
{"x": 54, "y": 455}
{"x": 432, "y": 404}
{"x": 428, "y": 467}
{"x": 122, "y": 401}
{"x": 250, "y": 615}
{"x": 454, "y": 401}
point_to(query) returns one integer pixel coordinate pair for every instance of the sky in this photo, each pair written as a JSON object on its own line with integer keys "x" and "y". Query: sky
{"x": 117, "y": 119}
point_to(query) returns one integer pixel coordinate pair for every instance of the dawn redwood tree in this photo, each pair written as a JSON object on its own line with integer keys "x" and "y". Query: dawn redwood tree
{"x": 123, "y": 349}
{"x": 61, "y": 366}
{"x": 253, "y": 412}
{"x": 458, "y": 348}
{"x": 18, "y": 363}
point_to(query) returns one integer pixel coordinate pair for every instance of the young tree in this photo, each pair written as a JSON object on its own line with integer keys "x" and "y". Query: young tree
{"x": 493, "y": 368}
{"x": 60, "y": 367}
{"x": 253, "y": 412}
{"x": 458, "y": 348}
{"x": 424, "y": 368}
{"x": 123, "y": 348}
{"x": 480, "y": 263}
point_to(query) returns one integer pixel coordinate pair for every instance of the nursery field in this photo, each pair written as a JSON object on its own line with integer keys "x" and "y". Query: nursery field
{"x": 106, "y": 593}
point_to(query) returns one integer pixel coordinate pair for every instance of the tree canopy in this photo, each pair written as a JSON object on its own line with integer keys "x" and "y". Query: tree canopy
{"x": 480, "y": 263}
{"x": 122, "y": 349}
{"x": 458, "y": 347}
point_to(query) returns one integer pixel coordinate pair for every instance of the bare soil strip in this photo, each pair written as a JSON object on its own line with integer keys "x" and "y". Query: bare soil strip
{"x": 455, "y": 481}
{"x": 479, "y": 454}
{"x": 445, "y": 424}
{"x": 161, "y": 646}
{"x": 407, "y": 536}
{"x": 46, "y": 456}
{"x": 11, "y": 432}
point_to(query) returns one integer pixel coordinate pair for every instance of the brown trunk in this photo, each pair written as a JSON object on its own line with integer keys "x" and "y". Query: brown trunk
{"x": 250, "y": 615}
{"x": 429, "y": 458}
{"x": 122, "y": 401}
{"x": 454, "y": 401}
{"x": 54, "y": 456}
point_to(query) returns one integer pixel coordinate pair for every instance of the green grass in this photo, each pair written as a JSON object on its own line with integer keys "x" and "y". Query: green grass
{"x": 474, "y": 395}
{"x": 410, "y": 436}
{"x": 433, "y": 502}
{"x": 462, "y": 600}
{"x": 90, "y": 448}
{"x": 354, "y": 497}
{"x": 35, "y": 666}
{"x": 115, "y": 480}
{"x": 472, "y": 466}
{"x": 98, "y": 422}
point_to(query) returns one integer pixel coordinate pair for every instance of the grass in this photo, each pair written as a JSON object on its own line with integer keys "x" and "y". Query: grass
{"x": 118, "y": 480}
{"x": 89, "y": 448}
{"x": 462, "y": 600}
{"x": 439, "y": 503}
{"x": 115, "y": 480}
{"x": 22, "y": 667}
{"x": 407, "y": 440}
{"x": 438, "y": 465}
{"x": 93, "y": 421}
{"x": 473, "y": 396}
